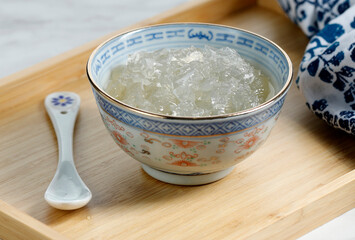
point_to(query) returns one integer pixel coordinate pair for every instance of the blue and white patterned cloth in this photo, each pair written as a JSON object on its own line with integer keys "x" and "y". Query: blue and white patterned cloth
{"x": 326, "y": 74}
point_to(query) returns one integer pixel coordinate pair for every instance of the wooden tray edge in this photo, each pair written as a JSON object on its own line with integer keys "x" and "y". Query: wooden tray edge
{"x": 15, "y": 224}
{"x": 290, "y": 224}
{"x": 300, "y": 219}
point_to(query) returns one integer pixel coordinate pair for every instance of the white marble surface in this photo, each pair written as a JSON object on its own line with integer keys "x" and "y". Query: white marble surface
{"x": 33, "y": 31}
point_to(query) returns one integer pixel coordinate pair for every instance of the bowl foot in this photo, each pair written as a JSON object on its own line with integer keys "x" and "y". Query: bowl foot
{"x": 181, "y": 179}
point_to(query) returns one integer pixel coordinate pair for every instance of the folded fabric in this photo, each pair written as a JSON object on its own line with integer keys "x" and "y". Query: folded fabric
{"x": 326, "y": 74}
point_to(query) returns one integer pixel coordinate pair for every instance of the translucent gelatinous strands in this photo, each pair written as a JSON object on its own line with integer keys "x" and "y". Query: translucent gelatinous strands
{"x": 189, "y": 82}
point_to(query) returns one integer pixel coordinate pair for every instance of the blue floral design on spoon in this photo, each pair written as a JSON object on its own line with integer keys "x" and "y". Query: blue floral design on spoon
{"x": 62, "y": 101}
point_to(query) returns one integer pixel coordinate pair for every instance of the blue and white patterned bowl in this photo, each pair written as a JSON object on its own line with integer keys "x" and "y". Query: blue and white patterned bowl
{"x": 188, "y": 150}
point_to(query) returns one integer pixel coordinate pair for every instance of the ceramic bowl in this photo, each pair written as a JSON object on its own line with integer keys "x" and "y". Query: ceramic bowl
{"x": 188, "y": 150}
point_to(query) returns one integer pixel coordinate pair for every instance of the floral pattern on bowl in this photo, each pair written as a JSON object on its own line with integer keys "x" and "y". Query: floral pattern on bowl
{"x": 187, "y": 155}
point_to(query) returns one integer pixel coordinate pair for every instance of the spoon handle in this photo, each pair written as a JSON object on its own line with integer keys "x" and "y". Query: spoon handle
{"x": 63, "y": 108}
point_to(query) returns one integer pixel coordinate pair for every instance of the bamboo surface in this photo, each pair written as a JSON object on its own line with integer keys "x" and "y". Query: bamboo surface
{"x": 302, "y": 177}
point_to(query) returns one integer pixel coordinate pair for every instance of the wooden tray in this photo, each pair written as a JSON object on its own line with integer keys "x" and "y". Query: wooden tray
{"x": 302, "y": 177}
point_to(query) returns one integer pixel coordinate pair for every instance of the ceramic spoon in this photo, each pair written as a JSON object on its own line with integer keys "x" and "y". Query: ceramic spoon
{"x": 66, "y": 191}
